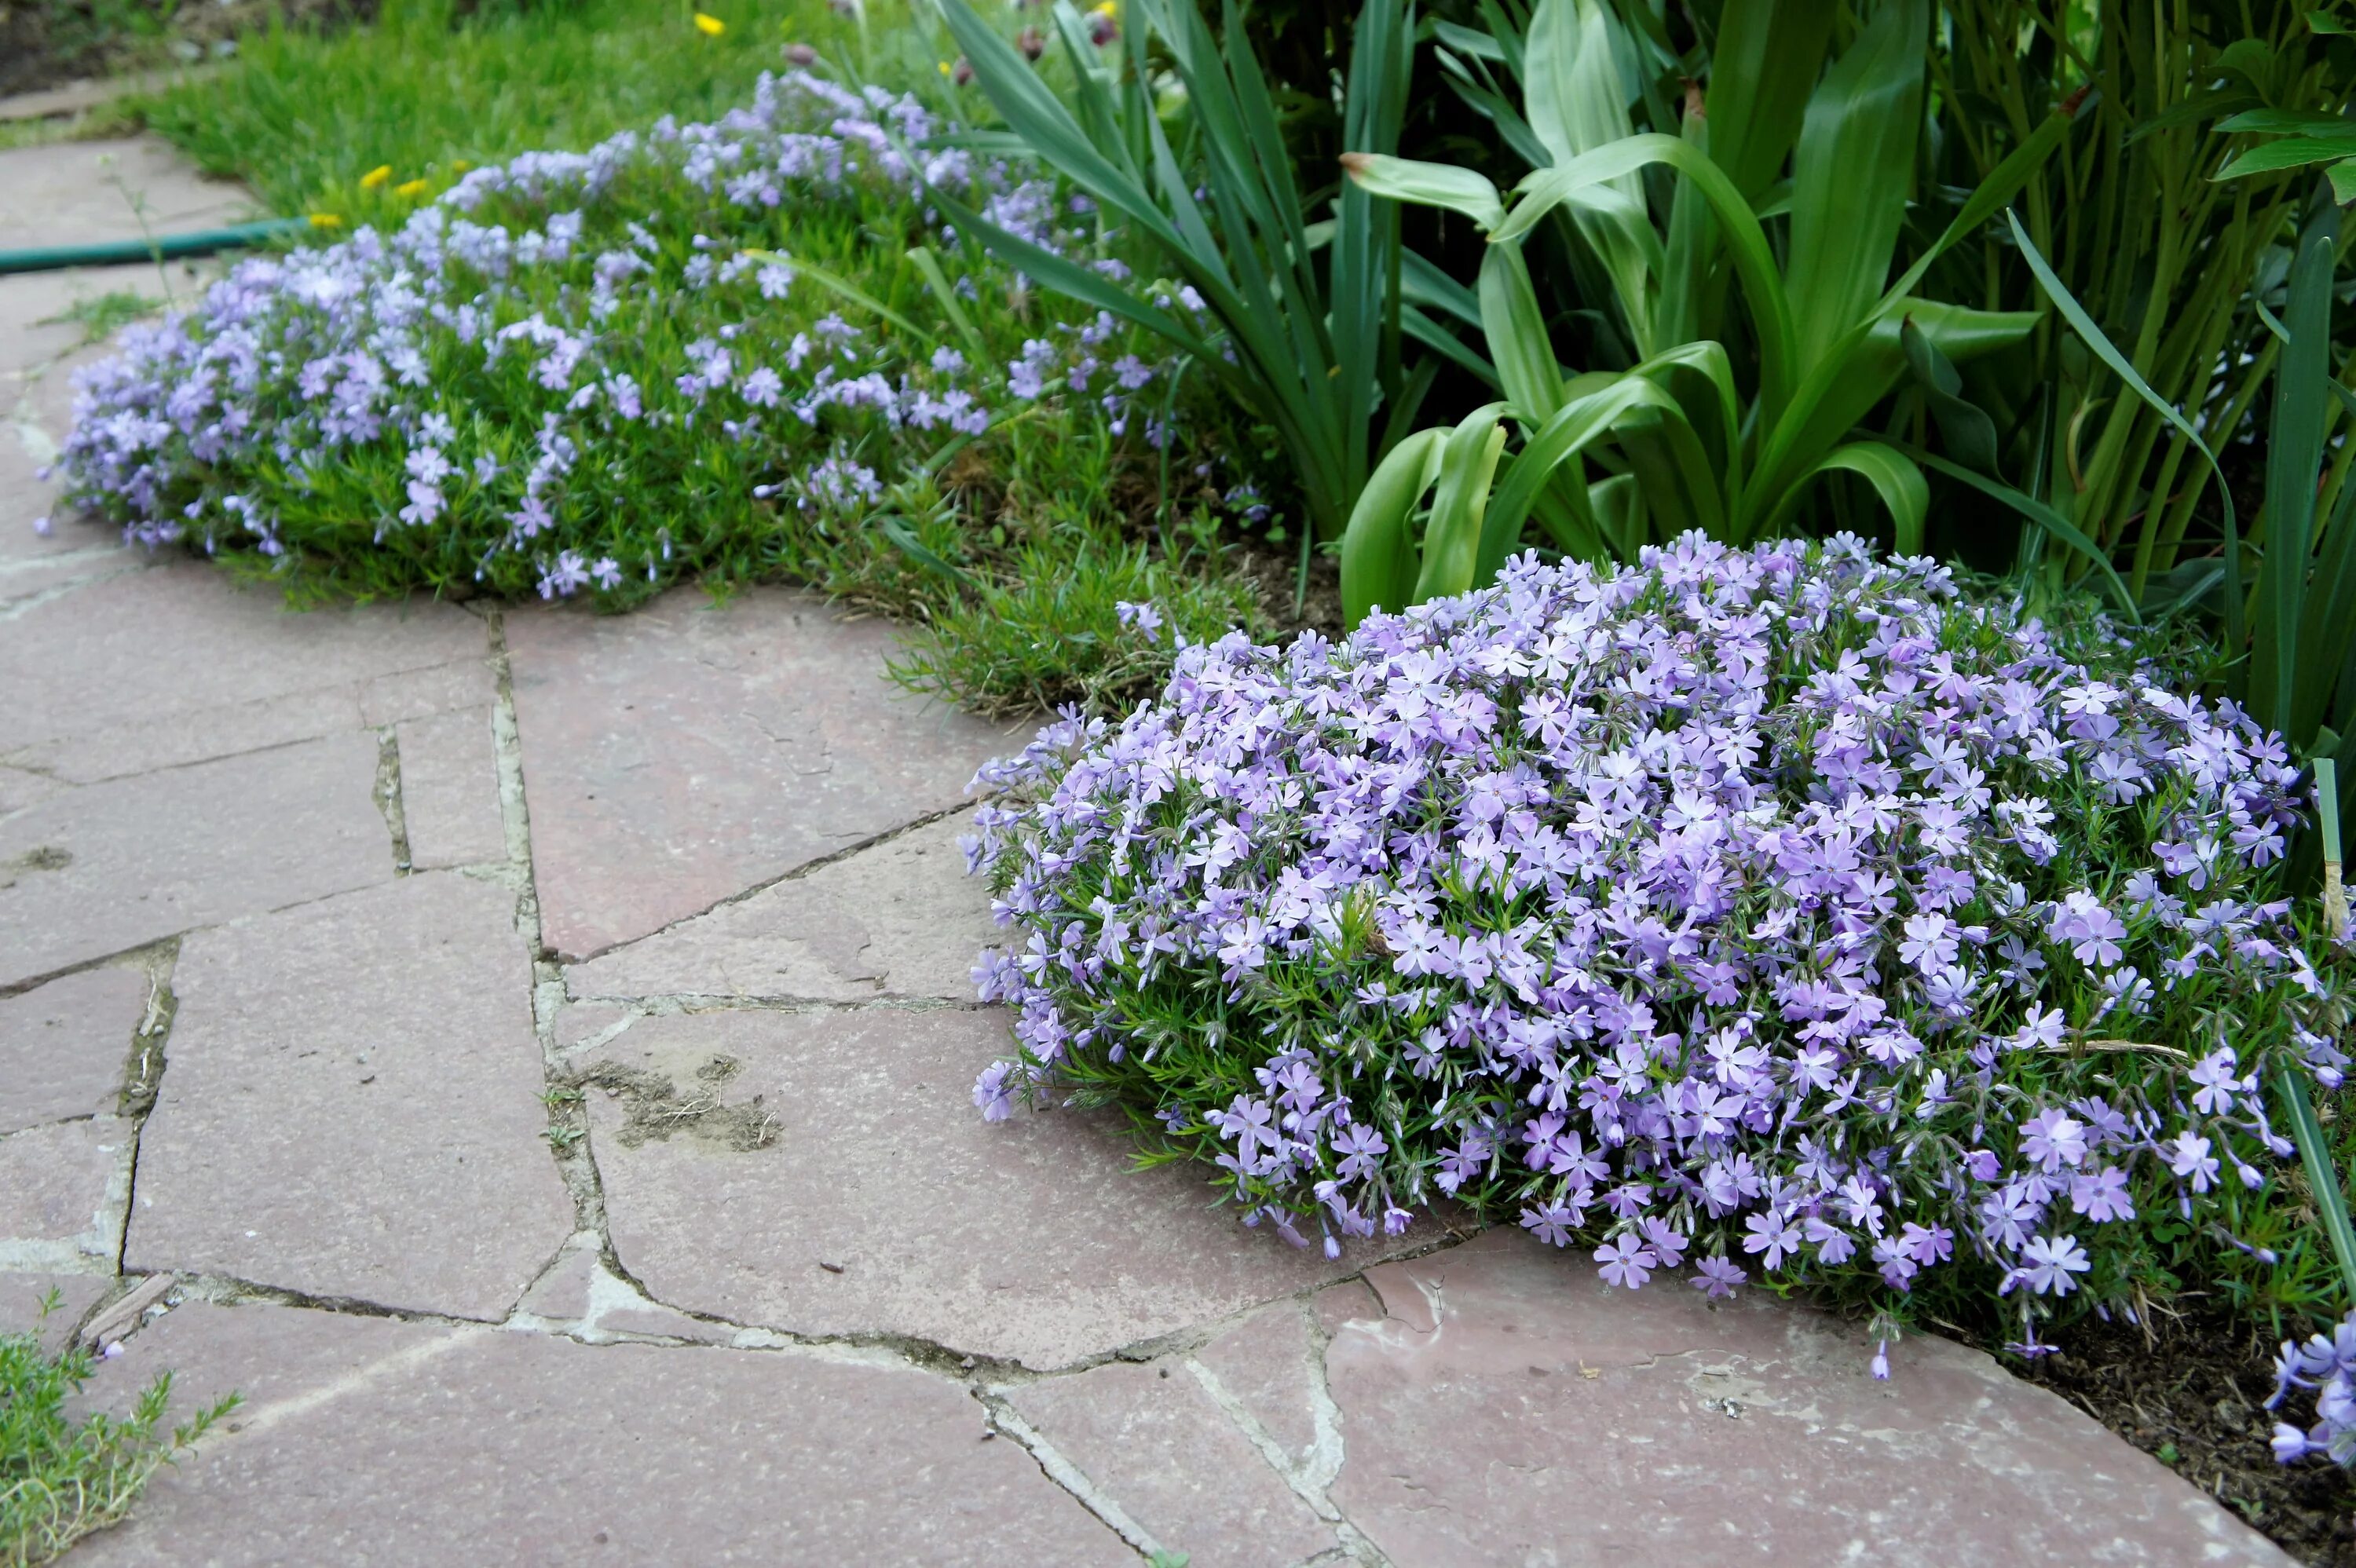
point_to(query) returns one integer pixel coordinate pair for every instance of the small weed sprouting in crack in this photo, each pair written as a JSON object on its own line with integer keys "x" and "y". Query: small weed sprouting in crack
{"x": 61, "y": 1480}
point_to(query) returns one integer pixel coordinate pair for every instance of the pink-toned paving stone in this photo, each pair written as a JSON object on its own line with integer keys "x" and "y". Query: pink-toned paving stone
{"x": 62, "y": 1189}
{"x": 96, "y": 870}
{"x": 581, "y": 1297}
{"x": 368, "y": 1440}
{"x": 1498, "y": 1404}
{"x": 690, "y": 752}
{"x": 22, "y": 1296}
{"x": 63, "y": 1045}
{"x": 450, "y": 790}
{"x": 350, "y": 1106}
{"x": 182, "y": 647}
{"x": 77, "y": 192}
{"x": 1151, "y": 1439}
{"x": 902, "y": 919}
{"x": 880, "y": 1203}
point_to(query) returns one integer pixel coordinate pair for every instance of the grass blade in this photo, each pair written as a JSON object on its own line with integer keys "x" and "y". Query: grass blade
{"x": 2044, "y": 517}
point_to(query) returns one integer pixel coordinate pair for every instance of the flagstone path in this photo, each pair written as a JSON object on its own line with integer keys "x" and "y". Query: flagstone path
{"x": 526, "y": 1055}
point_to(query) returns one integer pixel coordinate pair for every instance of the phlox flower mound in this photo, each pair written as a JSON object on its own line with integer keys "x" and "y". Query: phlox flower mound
{"x": 1779, "y": 913}
{"x": 590, "y": 373}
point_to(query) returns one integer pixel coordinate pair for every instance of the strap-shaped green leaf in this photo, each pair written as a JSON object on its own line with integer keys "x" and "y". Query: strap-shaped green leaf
{"x": 1851, "y": 172}
{"x": 1516, "y": 336}
{"x": 1428, "y": 184}
{"x": 1753, "y": 259}
{"x": 2302, "y": 411}
{"x": 1379, "y": 566}
{"x": 2290, "y": 152}
{"x": 1452, "y": 537}
{"x": 1905, "y": 495}
{"x": 1589, "y": 415}
{"x": 1964, "y": 425}
{"x": 2236, "y": 637}
{"x": 2044, "y": 517}
{"x": 2322, "y": 1177}
{"x": 1762, "y": 72}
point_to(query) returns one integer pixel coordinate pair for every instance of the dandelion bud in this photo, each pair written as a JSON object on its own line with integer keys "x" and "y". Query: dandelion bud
{"x": 963, "y": 73}
{"x": 1102, "y": 29}
{"x": 1031, "y": 43}
{"x": 800, "y": 54}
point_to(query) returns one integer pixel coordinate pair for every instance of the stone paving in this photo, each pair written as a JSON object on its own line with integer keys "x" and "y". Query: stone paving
{"x": 527, "y": 1056}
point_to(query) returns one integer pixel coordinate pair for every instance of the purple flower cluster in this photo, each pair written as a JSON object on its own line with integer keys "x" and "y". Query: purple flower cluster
{"x": 2326, "y": 1363}
{"x": 1780, "y": 911}
{"x": 467, "y": 378}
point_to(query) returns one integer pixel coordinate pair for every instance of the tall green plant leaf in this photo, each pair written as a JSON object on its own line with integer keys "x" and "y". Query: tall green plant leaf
{"x": 1378, "y": 561}
{"x": 2322, "y": 1177}
{"x": 2083, "y": 324}
{"x": 1761, "y": 73}
{"x": 1851, "y": 173}
{"x": 2302, "y": 409}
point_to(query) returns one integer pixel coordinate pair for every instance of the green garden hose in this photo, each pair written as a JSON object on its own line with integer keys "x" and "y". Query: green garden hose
{"x": 203, "y": 243}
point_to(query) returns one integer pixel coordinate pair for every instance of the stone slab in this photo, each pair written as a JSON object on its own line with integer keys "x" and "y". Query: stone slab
{"x": 902, "y": 919}
{"x": 450, "y": 790}
{"x": 350, "y": 1106}
{"x": 690, "y": 752}
{"x": 21, "y": 1296}
{"x": 1497, "y": 1380}
{"x": 1264, "y": 1364}
{"x": 368, "y": 1440}
{"x": 150, "y": 648}
{"x": 71, "y": 193}
{"x": 1151, "y": 1439}
{"x": 582, "y": 1296}
{"x": 1031, "y": 1239}
{"x": 63, "y": 1045}
{"x": 62, "y": 1189}
{"x": 421, "y": 693}
{"x": 100, "y": 869}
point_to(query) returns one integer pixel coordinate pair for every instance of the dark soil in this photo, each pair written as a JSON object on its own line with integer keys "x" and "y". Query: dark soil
{"x": 49, "y": 43}
{"x": 1276, "y": 572}
{"x": 2192, "y": 1393}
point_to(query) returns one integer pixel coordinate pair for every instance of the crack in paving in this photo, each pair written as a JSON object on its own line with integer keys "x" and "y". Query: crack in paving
{"x": 143, "y": 1076}
{"x": 831, "y": 857}
{"x": 1069, "y": 1476}
{"x": 389, "y": 803}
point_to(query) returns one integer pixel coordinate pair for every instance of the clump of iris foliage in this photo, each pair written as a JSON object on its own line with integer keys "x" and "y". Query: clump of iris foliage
{"x": 1779, "y": 915}
{"x": 601, "y": 374}
{"x": 61, "y": 1478}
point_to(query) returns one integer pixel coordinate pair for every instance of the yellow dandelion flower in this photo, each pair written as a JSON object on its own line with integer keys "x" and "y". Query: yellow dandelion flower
{"x": 376, "y": 176}
{"x": 412, "y": 189}
{"x": 945, "y": 67}
{"x": 709, "y": 27}
{"x": 459, "y": 165}
{"x": 326, "y": 220}
{"x": 1108, "y": 8}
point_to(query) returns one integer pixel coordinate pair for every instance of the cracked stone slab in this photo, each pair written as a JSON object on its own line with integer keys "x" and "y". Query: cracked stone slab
{"x": 71, "y": 193}
{"x": 163, "y": 658}
{"x": 21, "y": 1296}
{"x": 97, "y": 871}
{"x": 1032, "y": 1240}
{"x": 450, "y": 790}
{"x": 350, "y": 1106}
{"x": 902, "y": 919}
{"x": 368, "y": 1439}
{"x": 1152, "y": 1440}
{"x": 580, "y": 1294}
{"x": 63, "y": 1045}
{"x": 1497, "y": 1379}
{"x": 689, "y": 752}
{"x": 62, "y": 1189}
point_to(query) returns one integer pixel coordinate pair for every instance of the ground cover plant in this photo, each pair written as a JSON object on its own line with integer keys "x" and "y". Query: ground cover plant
{"x": 605, "y": 373}
{"x": 61, "y": 1477}
{"x": 1784, "y": 916}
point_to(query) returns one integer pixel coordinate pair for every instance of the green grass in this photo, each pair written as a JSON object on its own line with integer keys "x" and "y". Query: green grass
{"x": 62, "y": 1477}
{"x": 302, "y": 116}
